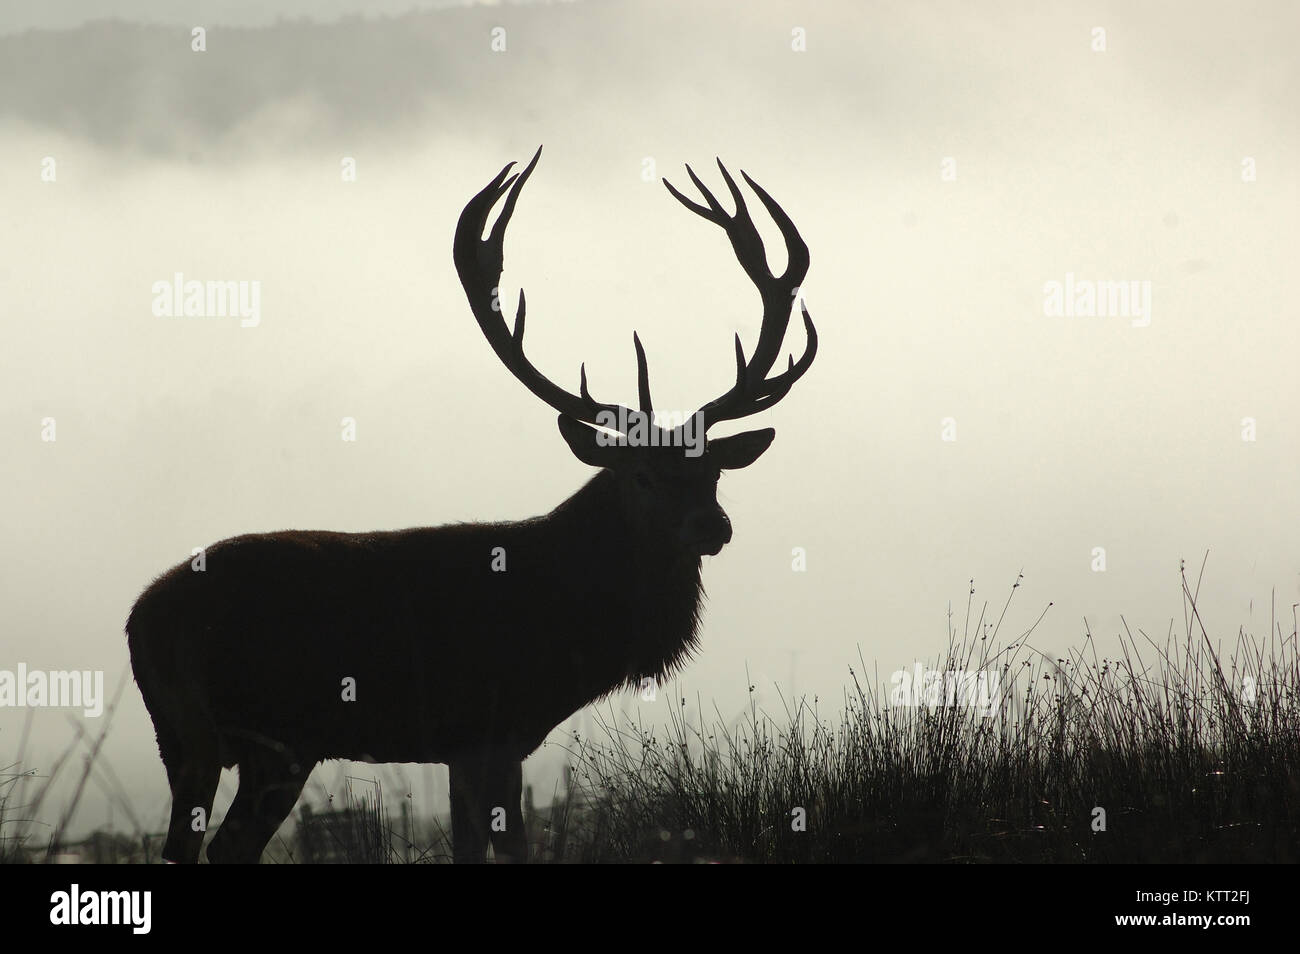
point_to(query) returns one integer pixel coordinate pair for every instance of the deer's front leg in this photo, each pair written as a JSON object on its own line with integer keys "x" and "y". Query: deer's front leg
{"x": 486, "y": 794}
{"x": 509, "y": 844}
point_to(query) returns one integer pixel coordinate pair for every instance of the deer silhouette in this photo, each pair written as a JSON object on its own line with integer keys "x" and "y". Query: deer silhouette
{"x": 467, "y": 643}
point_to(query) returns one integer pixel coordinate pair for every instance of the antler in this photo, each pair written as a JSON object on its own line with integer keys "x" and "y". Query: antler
{"x": 479, "y": 262}
{"x": 753, "y": 390}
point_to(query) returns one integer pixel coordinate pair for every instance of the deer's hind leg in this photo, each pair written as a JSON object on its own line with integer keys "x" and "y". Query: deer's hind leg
{"x": 269, "y": 786}
{"x": 193, "y": 782}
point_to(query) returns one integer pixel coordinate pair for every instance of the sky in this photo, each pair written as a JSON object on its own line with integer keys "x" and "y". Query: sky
{"x": 959, "y": 172}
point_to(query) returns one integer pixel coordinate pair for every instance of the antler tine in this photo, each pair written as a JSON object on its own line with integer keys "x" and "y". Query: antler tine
{"x": 479, "y": 263}
{"x": 714, "y": 213}
{"x": 753, "y": 390}
{"x": 642, "y": 378}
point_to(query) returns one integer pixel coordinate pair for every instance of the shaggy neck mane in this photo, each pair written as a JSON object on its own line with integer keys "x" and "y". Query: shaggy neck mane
{"x": 644, "y": 589}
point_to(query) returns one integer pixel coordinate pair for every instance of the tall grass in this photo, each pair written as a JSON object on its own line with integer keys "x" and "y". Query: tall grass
{"x": 1171, "y": 752}
{"x": 11, "y": 842}
{"x": 360, "y": 833}
{"x": 22, "y": 827}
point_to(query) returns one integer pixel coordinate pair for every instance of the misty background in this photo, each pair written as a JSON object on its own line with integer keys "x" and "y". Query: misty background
{"x": 927, "y": 289}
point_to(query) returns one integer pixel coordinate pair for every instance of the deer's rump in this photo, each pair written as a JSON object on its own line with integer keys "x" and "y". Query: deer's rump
{"x": 390, "y": 647}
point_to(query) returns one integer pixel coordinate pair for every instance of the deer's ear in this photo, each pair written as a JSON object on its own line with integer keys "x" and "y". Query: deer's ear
{"x": 584, "y": 444}
{"x": 740, "y": 450}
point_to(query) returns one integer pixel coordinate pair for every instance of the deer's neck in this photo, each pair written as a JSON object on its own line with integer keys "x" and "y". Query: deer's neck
{"x": 644, "y": 589}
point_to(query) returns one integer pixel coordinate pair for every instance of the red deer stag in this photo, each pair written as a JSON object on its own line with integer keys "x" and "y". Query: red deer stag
{"x": 411, "y": 645}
